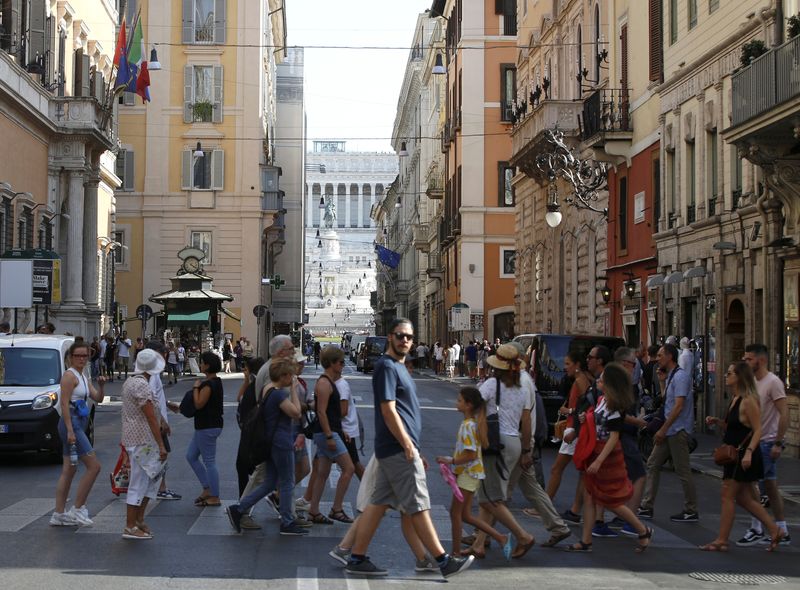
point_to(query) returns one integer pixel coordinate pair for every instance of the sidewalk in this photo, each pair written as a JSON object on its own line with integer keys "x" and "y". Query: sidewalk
{"x": 702, "y": 459}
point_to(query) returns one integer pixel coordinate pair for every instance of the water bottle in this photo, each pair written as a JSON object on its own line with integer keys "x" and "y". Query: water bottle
{"x": 73, "y": 454}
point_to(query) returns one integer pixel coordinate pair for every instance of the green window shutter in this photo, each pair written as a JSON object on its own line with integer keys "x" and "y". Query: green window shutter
{"x": 216, "y": 113}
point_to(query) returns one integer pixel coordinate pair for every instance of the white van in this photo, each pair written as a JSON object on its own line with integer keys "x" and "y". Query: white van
{"x": 31, "y": 367}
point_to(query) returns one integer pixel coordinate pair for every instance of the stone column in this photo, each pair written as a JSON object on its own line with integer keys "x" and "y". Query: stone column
{"x": 310, "y": 201}
{"x": 347, "y": 219}
{"x": 372, "y": 201}
{"x": 360, "y": 197}
{"x": 73, "y": 295}
{"x": 90, "y": 260}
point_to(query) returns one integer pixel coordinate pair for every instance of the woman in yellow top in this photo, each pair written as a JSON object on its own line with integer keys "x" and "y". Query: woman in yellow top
{"x": 468, "y": 466}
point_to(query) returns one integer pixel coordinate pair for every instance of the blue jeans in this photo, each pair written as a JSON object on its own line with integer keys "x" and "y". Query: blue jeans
{"x": 204, "y": 443}
{"x": 280, "y": 471}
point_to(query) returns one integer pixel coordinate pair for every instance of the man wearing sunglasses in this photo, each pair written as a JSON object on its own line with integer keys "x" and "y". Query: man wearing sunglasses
{"x": 400, "y": 479}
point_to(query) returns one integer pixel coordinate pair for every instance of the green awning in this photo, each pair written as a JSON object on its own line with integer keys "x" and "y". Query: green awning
{"x": 198, "y": 317}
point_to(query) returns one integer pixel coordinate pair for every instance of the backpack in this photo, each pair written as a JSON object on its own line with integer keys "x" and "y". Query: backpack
{"x": 256, "y": 440}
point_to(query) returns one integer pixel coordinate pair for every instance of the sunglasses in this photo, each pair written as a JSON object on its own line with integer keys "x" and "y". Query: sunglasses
{"x": 402, "y": 336}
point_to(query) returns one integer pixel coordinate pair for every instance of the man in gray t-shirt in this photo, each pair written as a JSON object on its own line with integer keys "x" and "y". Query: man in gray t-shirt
{"x": 673, "y": 438}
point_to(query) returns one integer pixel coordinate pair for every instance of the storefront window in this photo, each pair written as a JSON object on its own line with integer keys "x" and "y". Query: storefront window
{"x": 791, "y": 319}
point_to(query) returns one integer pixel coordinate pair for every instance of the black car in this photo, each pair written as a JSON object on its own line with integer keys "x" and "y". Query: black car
{"x": 546, "y": 363}
{"x": 373, "y": 348}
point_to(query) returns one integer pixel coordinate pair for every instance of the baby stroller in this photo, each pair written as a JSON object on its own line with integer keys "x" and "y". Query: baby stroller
{"x": 121, "y": 474}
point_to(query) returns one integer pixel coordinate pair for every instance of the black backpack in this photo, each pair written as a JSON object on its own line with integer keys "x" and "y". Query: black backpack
{"x": 256, "y": 440}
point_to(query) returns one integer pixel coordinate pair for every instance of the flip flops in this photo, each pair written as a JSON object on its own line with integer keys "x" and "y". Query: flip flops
{"x": 523, "y": 548}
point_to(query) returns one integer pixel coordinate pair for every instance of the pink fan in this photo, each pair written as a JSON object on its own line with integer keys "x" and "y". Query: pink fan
{"x": 450, "y": 478}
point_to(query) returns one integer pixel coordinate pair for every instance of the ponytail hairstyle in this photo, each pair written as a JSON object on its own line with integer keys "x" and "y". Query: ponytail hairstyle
{"x": 472, "y": 396}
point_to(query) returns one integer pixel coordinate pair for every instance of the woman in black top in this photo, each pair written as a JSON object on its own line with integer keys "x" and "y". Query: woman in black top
{"x": 742, "y": 427}
{"x": 207, "y": 396}
{"x": 247, "y": 401}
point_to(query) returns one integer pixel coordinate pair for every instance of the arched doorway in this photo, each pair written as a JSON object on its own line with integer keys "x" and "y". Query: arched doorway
{"x": 734, "y": 332}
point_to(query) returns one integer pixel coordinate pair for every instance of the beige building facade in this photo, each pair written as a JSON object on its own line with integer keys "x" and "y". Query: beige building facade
{"x": 196, "y": 161}
{"x": 57, "y": 174}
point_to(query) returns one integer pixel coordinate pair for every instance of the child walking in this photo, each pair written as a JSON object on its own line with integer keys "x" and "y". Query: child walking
{"x": 468, "y": 464}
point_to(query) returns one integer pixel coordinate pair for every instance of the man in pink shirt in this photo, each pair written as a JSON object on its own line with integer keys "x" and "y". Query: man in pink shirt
{"x": 774, "y": 421}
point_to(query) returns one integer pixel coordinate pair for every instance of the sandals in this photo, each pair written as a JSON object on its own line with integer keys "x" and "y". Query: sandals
{"x": 640, "y": 548}
{"x": 523, "y": 548}
{"x": 509, "y": 547}
{"x": 319, "y": 518}
{"x": 340, "y": 516}
{"x": 203, "y": 502}
{"x": 135, "y": 533}
{"x": 555, "y": 539}
{"x": 471, "y": 551}
{"x": 579, "y": 547}
{"x": 144, "y": 528}
{"x": 715, "y": 546}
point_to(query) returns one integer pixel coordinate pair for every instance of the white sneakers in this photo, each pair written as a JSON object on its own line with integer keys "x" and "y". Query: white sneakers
{"x": 73, "y": 517}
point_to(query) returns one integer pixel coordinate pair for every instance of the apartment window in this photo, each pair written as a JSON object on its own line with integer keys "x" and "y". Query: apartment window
{"x": 25, "y": 230}
{"x": 508, "y": 8}
{"x": 736, "y": 175}
{"x": 202, "y": 241}
{"x": 131, "y": 8}
{"x": 508, "y": 260}
{"x": 656, "y": 41}
{"x": 712, "y": 5}
{"x": 125, "y": 169}
{"x": 204, "y": 21}
{"x": 673, "y": 21}
{"x": 691, "y": 178}
{"x": 45, "y": 234}
{"x": 203, "y": 173}
{"x": 505, "y": 174}
{"x": 119, "y": 251}
{"x": 508, "y": 82}
{"x": 656, "y": 178}
{"x": 692, "y": 9}
{"x": 202, "y": 94}
{"x": 6, "y": 231}
{"x": 622, "y": 214}
{"x": 671, "y": 182}
{"x": 711, "y": 159}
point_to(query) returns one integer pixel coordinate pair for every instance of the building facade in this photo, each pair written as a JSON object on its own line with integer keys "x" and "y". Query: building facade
{"x": 476, "y": 226}
{"x": 340, "y": 263}
{"x": 198, "y": 162}
{"x": 57, "y": 181}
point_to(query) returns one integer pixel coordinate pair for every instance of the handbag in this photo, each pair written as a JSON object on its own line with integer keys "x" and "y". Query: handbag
{"x": 187, "y": 404}
{"x": 587, "y": 440}
{"x": 559, "y": 427}
{"x": 726, "y": 454}
{"x": 493, "y": 427}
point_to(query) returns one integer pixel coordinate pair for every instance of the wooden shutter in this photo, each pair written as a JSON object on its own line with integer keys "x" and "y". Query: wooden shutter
{"x": 186, "y": 170}
{"x": 129, "y": 174}
{"x": 623, "y": 44}
{"x": 220, "y": 20}
{"x": 81, "y": 73}
{"x": 656, "y": 41}
{"x": 98, "y": 87}
{"x": 188, "y": 93}
{"x": 38, "y": 23}
{"x": 188, "y": 21}
{"x": 119, "y": 168}
{"x": 216, "y": 112}
{"x": 12, "y": 30}
{"x": 218, "y": 170}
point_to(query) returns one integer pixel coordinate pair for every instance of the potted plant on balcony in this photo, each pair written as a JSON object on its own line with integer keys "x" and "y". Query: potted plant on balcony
{"x": 751, "y": 50}
{"x": 793, "y": 28}
{"x": 202, "y": 111}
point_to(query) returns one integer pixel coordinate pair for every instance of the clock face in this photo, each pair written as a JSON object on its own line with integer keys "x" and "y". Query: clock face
{"x": 191, "y": 264}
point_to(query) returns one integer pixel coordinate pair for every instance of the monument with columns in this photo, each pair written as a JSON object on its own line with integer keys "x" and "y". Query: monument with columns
{"x": 341, "y": 188}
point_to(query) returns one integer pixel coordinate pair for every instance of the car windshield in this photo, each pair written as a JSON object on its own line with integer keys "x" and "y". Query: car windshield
{"x": 31, "y": 367}
{"x": 376, "y": 346}
{"x": 550, "y": 353}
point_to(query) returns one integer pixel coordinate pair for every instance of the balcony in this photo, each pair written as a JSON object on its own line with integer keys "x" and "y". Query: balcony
{"x": 606, "y": 112}
{"x": 435, "y": 182}
{"x": 271, "y": 201}
{"x": 435, "y": 269}
{"x": 420, "y": 234}
{"x": 445, "y": 231}
{"x": 527, "y": 137}
{"x": 691, "y": 214}
{"x": 445, "y": 137}
{"x": 82, "y": 115}
{"x": 456, "y": 125}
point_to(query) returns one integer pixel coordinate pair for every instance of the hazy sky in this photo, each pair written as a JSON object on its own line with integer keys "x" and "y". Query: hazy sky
{"x": 353, "y": 92}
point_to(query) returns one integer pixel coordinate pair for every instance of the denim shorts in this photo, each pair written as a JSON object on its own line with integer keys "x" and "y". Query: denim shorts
{"x": 322, "y": 446}
{"x": 770, "y": 464}
{"x": 79, "y": 428}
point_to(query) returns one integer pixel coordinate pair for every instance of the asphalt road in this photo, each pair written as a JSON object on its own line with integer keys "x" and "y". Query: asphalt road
{"x": 195, "y": 548}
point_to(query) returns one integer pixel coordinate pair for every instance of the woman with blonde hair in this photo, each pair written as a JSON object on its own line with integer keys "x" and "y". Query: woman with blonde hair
{"x": 742, "y": 427}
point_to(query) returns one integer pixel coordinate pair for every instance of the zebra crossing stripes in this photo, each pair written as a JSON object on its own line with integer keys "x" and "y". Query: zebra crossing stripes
{"x": 19, "y": 515}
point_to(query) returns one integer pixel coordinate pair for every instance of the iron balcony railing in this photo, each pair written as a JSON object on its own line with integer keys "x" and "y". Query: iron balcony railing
{"x": 434, "y": 262}
{"x": 606, "y": 110}
{"x": 771, "y": 79}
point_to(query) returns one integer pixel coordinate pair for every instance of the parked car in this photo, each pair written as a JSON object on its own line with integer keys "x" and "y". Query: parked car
{"x": 355, "y": 341}
{"x": 31, "y": 367}
{"x": 373, "y": 348}
{"x": 545, "y": 361}
{"x": 359, "y": 359}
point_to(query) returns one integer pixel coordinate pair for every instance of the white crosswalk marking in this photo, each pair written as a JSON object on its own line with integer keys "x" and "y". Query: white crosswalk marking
{"x": 307, "y": 578}
{"x": 111, "y": 519}
{"x": 213, "y": 521}
{"x": 19, "y": 515}
{"x": 356, "y": 583}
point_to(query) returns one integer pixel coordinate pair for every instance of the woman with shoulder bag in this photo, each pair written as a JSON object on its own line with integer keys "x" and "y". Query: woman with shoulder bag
{"x": 742, "y": 427}
{"x": 75, "y": 392}
{"x": 207, "y": 397}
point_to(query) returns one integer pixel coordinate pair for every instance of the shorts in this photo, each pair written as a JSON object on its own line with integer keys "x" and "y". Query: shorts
{"x": 402, "y": 484}
{"x": 367, "y": 484}
{"x": 79, "y": 428}
{"x": 352, "y": 449}
{"x": 122, "y": 362}
{"x": 770, "y": 464}
{"x": 467, "y": 483}
{"x": 322, "y": 446}
{"x": 634, "y": 463}
{"x": 471, "y": 365}
{"x": 140, "y": 485}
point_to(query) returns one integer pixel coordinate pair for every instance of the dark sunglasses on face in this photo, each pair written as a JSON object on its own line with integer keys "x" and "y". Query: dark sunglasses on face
{"x": 402, "y": 336}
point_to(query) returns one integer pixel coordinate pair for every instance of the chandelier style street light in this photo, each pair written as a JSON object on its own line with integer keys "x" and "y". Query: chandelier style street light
{"x": 586, "y": 177}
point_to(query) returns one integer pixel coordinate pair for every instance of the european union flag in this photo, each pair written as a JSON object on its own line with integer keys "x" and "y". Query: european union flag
{"x": 388, "y": 257}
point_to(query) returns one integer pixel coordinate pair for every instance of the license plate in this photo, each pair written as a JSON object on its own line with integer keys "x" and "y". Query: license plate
{"x": 4, "y": 428}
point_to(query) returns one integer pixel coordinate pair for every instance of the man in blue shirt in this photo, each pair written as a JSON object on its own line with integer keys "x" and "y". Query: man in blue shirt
{"x": 673, "y": 438}
{"x": 400, "y": 477}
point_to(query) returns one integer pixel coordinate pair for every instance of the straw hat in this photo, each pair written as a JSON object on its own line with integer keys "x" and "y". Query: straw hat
{"x": 506, "y": 358}
{"x": 149, "y": 361}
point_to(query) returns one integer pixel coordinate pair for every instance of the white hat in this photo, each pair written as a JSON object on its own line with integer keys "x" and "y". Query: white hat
{"x": 684, "y": 342}
{"x": 149, "y": 361}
